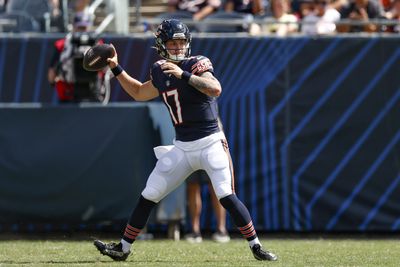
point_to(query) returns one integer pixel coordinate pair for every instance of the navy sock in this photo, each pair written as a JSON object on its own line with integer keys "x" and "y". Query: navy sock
{"x": 138, "y": 219}
{"x": 240, "y": 216}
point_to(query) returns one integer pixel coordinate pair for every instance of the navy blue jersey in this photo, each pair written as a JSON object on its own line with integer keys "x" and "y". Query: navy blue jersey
{"x": 193, "y": 114}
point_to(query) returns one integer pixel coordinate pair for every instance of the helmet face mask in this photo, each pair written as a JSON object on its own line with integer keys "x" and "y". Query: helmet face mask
{"x": 173, "y": 30}
{"x": 176, "y": 50}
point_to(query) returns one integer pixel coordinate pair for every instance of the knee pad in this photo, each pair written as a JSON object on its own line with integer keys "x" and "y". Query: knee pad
{"x": 216, "y": 157}
{"x": 168, "y": 161}
{"x": 152, "y": 194}
{"x": 156, "y": 187}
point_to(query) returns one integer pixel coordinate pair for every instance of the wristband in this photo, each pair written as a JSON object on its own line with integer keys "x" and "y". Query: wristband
{"x": 117, "y": 70}
{"x": 186, "y": 76}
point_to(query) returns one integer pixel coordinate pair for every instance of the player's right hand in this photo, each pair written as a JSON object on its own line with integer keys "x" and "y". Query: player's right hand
{"x": 113, "y": 61}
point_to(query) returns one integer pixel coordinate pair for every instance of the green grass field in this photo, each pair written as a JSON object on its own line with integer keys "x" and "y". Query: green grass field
{"x": 291, "y": 252}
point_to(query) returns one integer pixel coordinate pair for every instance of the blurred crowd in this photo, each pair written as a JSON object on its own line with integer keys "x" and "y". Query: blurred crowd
{"x": 41, "y": 15}
{"x": 280, "y": 17}
{"x": 283, "y": 17}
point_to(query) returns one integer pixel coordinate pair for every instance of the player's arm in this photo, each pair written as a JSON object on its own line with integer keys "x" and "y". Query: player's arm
{"x": 52, "y": 71}
{"x": 205, "y": 82}
{"x": 136, "y": 89}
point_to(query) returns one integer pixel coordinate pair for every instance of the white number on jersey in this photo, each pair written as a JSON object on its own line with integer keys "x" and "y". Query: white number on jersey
{"x": 173, "y": 94}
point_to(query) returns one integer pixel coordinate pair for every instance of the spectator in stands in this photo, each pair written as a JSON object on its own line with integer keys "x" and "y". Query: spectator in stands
{"x": 81, "y": 6}
{"x": 56, "y": 17}
{"x": 361, "y": 11}
{"x": 3, "y": 4}
{"x": 55, "y": 8}
{"x": 251, "y": 7}
{"x": 394, "y": 14}
{"x": 387, "y": 4}
{"x": 321, "y": 20}
{"x": 63, "y": 70}
{"x": 303, "y": 8}
{"x": 194, "y": 183}
{"x": 199, "y": 9}
{"x": 254, "y": 7}
{"x": 43, "y": 11}
{"x": 339, "y": 4}
{"x": 282, "y": 22}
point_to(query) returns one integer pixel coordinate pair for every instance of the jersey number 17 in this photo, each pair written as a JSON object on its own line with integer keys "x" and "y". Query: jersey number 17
{"x": 171, "y": 98}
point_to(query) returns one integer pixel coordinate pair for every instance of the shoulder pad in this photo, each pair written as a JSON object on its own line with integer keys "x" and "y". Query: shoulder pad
{"x": 158, "y": 63}
{"x": 201, "y": 64}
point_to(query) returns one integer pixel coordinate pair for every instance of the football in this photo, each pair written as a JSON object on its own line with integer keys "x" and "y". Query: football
{"x": 95, "y": 58}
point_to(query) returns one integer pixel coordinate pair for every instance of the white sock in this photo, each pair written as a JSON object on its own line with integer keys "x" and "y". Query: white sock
{"x": 253, "y": 242}
{"x": 126, "y": 247}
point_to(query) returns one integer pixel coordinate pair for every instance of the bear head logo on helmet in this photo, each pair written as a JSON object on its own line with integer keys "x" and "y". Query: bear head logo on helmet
{"x": 172, "y": 29}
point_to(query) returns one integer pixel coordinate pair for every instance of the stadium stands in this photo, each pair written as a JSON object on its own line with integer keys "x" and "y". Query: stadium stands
{"x": 18, "y": 22}
{"x": 226, "y": 24}
{"x": 144, "y": 15}
{"x": 35, "y": 9}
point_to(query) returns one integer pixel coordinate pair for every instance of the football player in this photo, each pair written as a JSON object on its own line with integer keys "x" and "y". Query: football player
{"x": 189, "y": 90}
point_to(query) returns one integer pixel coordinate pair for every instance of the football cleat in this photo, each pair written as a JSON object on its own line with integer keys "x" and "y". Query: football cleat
{"x": 262, "y": 255}
{"x": 113, "y": 250}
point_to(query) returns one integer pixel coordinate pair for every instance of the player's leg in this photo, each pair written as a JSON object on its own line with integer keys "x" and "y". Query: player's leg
{"x": 170, "y": 171}
{"x": 194, "y": 207}
{"x": 242, "y": 219}
{"x": 221, "y": 235}
{"x": 120, "y": 251}
{"x": 218, "y": 164}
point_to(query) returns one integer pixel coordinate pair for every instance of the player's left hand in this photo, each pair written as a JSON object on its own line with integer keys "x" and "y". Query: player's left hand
{"x": 171, "y": 68}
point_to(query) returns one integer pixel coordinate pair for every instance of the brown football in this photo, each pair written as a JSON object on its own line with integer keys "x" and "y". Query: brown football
{"x": 95, "y": 58}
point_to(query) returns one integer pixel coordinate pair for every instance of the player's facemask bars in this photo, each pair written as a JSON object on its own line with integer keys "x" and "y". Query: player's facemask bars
{"x": 178, "y": 54}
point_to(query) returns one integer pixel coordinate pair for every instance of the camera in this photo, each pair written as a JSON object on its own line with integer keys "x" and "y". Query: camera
{"x": 87, "y": 84}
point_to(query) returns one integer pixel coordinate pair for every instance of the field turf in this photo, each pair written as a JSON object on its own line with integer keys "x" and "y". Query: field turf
{"x": 291, "y": 252}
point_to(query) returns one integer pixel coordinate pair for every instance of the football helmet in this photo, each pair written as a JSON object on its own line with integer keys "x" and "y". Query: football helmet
{"x": 172, "y": 29}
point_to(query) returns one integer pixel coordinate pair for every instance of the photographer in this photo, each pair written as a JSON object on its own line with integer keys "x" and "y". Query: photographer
{"x": 72, "y": 82}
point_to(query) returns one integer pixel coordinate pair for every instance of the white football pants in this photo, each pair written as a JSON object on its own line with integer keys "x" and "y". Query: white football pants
{"x": 174, "y": 165}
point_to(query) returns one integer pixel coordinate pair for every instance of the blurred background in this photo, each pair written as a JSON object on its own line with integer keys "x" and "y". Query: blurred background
{"x": 310, "y": 106}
